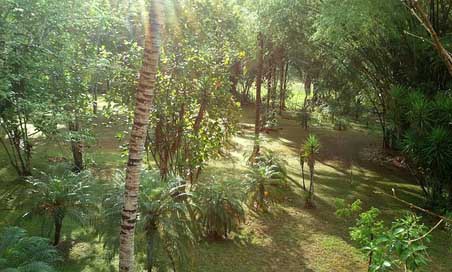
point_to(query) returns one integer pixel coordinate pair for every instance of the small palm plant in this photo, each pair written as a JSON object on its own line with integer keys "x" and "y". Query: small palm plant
{"x": 420, "y": 112}
{"x": 311, "y": 148}
{"x": 59, "y": 197}
{"x": 266, "y": 172}
{"x": 219, "y": 208}
{"x": 22, "y": 253}
{"x": 164, "y": 229}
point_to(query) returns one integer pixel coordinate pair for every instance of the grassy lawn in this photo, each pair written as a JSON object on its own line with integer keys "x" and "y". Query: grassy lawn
{"x": 289, "y": 237}
{"x": 296, "y": 95}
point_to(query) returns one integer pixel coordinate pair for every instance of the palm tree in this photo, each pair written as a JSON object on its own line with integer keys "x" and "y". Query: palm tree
{"x": 58, "y": 197}
{"x": 165, "y": 231}
{"x": 311, "y": 148}
{"x": 266, "y": 172}
{"x": 143, "y": 100}
{"x": 22, "y": 253}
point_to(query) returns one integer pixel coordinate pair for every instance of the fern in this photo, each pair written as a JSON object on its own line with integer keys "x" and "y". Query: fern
{"x": 22, "y": 253}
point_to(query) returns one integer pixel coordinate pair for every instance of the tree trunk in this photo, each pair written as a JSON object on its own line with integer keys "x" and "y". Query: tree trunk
{"x": 234, "y": 77}
{"x": 311, "y": 185}
{"x": 58, "y": 227}
{"x": 311, "y": 178}
{"x": 269, "y": 86}
{"x": 274, "y": 85}
{"x": 95, "y": 98}
{"x": 257, "y": 124}
{"x": 302, "y": 176}
{"x": 150, "y": 247}
{"x": 281, "y": 87}
{"x": 286, "y": 78}
{"x": 76, "y": 146}
{"x": 144, "y": 95}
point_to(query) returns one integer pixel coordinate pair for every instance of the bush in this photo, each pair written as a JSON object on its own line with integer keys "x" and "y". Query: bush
{"x": 340, "y": 124}
{"x": 400, "y": 245}
{"x": 55, "y": 198}
{"x": 165, "y": 230}
{"x": 20, "y": 252}
{"x": 264, "y": 178}
{"x": 219, "y": 208}
{"x": 304, "y": 116}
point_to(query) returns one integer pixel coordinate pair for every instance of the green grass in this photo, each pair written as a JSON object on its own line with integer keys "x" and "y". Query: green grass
{"x": 289, "y": 237}
{"x": 296, "y": 95}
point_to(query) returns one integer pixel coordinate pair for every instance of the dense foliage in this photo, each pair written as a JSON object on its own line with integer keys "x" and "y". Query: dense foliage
{"x": 20, "y": 252}
{"x": 71, "y": 88}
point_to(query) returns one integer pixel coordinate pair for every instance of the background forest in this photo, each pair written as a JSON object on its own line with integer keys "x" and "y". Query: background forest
{"x": 225, "y": 135}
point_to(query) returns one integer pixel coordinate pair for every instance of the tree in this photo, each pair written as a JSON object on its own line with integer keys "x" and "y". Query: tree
{"x": 22, "y": 253}
{"x": 143, "y": 105}
{"x": 400, "y": 245}
{"x": 28, "y": 39}
{"x": 257, "y": 124}
{"x": 195, "y": 113}
{"x": 165, "y": 230}
{"x": 311, "y": 148}
{"x": 58, "y": 197}
{"x": 265, "y": 174}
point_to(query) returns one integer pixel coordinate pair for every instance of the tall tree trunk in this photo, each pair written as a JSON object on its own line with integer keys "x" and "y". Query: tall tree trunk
{"x": 58, "y": 228}
{"x": 302, "y": 175}
{"x": 95, "y": 98}
{"x": 286, "y": 77}
{"x": 194, "y": 172}
{"x": 275, "y": 83}
{"x": 150, "y": 246}
{"x": 144, "y": 95}
{"x": 282, "y": 75}
{"x": 76, "y": 146}
{"x": 234, "y": 77}
{"x": 257, "y": 124}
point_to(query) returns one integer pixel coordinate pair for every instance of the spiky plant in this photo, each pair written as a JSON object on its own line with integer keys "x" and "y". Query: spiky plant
{"x": 420, "y": 112}
{"x": 219, "y": 208}
{"x": 165, "y": 232}
{"x": 266, "y": 173}
{"x": 56, "y": 198}
{"x": 22, "y": 253}
{"x": 311, "y": 148}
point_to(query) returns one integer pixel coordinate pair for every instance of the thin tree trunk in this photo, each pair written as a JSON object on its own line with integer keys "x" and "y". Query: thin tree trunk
{"x": 281, "y": 87}
{"x": 274, "y": 85}
{"x": 150, "y": 247}
{"x": 286, "y": 78}
{"x": 95, "y": 98}
{"x": 76, "y": 146}
{"x": 257, "y": 124}
{"x": 302, "y": 175}
{"x": 58, "y": 228}
{"x": 143, "y": 104}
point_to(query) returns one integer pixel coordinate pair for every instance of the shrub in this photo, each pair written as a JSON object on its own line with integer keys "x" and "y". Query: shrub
{"x": 264, "y": 177}
{"x": 340, "y": 124}
{"x": 57, "y": 197}
{"x": 311, "y": 148}
{"x": 164, "y": 230}
{"x": 219, "y": 208}
{"x": 22, "y": 253}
